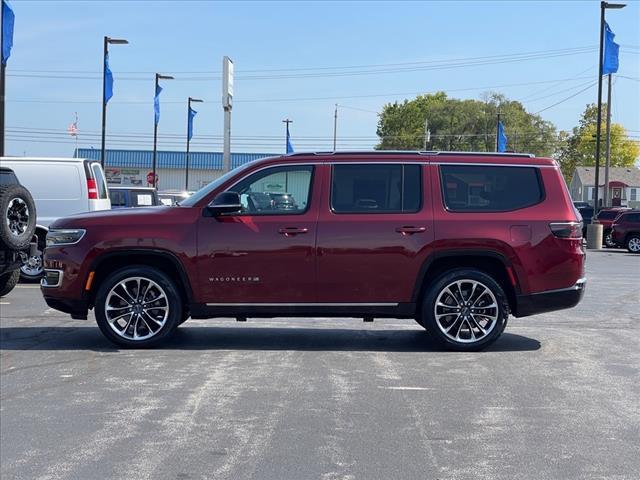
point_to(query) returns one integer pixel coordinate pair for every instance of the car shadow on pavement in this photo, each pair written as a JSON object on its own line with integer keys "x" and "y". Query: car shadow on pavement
{"x": 250, "y": 338}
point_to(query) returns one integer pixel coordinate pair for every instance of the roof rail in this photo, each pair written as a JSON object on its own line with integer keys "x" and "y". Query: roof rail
{"x": 411, "y": 152}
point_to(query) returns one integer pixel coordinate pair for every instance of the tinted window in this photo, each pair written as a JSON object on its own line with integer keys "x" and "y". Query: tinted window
{"x": 276, "y": 191}
{"x": 376, "y": 188}
{"x": 608, "y": 214}
{"x": 118, "y": 198}
{"x": 100, "y": 180}
{"x": 630, "y": 217}
{"x": 490, "y": 189}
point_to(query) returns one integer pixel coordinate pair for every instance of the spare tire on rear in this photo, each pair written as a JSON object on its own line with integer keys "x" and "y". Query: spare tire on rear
{"x": 17, "y": 217}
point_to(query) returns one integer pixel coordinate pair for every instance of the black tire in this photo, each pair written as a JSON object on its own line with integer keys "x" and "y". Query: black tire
{"x": 468, "y": 338}
{"x": 18, "y": 217}
{"x": 151, "y": 275}
{"x": 633, "y": 243}
{"x": 607, "y": 240}
{"x": 32, "y": 268}
{"x": 8, "y": 281}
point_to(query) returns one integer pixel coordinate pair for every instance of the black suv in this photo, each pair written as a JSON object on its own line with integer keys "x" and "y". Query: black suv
{"x": 17, "y": 227}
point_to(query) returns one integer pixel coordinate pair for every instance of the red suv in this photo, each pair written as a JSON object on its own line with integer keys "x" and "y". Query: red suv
{"x": 456, "y": 241}
{"x": 625, "y": 231}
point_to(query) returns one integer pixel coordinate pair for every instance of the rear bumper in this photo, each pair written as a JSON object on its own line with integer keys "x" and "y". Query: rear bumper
{"x": 550, "y": 300}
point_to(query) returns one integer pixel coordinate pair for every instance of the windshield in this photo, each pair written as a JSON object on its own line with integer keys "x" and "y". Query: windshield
{"x": 207, "y": 189}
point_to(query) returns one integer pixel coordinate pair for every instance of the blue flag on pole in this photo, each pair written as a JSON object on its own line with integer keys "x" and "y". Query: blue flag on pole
{"x": 108, "y": 81}
{"x": 502, "y": 138}
{"x": 8, "y": 19}
{"x": 611, "y": 49}
{"x": 289, "y": 146}
{"x": 192, "y": 113}
{"x": 156, "y": 103}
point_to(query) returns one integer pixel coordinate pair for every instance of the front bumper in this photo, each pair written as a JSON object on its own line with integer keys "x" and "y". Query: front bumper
{"x": 550, "y": 300}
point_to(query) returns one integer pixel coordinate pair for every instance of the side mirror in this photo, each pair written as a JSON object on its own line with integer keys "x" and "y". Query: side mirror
{"x": 225, "y": 202}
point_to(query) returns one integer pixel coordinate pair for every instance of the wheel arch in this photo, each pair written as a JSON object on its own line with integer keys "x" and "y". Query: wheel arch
{"x": 163, "y": 260}
{"x": 490, "y": 262}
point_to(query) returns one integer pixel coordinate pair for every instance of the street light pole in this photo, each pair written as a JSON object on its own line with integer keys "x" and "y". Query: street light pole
{"x": 603, "y": 7}
{"x": 105, "y": 56}
{"x": 186, "y": 176}
{"x": 607, "y": 152}
{"x": 498, "y": 133}
{"x": 155, "y": 124}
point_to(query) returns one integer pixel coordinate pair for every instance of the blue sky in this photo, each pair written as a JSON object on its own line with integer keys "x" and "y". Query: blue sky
{"x": 64, "y": 39}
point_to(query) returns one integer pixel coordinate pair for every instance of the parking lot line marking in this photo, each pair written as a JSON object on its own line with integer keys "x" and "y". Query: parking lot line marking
{"x": 5, "y": 303}
{"x": 404, "y": 388}
{"x": 28, "y": 286}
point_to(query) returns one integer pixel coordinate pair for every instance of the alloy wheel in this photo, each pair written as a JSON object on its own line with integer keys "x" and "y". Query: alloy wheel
{"x": 634, "y": 244}
{"x": 17, "y": 216}
{"x": 466, "y": 311}
{"x": 137, "y": 308}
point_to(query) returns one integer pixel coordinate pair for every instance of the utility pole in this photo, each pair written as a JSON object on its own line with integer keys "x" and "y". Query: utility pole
{"x": 498, "y": 132}
{"x": 335, "y": 128}
{"x": 227, "y": 105}
{"x": 608, "y": 145}
{"x": 427, "y": 134}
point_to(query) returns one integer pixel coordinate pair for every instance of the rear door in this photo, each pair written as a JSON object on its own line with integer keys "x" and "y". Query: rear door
{"x": 374, "y": 231}
{"x": 100, "y": 201}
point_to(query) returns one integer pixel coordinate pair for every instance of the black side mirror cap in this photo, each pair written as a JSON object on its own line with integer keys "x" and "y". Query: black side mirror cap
{"x": 225, "y": 202}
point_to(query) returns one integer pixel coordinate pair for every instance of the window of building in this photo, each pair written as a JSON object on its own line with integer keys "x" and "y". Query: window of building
{"x": 276, "y": 191}
{"x": 489, "y": 188}
{"x": 633, "y": 194}
{"x": 376, "y": 188}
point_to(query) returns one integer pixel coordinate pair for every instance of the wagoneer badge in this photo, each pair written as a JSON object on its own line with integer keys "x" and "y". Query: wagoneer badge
{"x": 235, "y": 279}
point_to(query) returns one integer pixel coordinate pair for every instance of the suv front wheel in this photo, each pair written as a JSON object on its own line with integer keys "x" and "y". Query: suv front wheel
{"x": 465, "y": 310}
{"x": 138, "y": 306}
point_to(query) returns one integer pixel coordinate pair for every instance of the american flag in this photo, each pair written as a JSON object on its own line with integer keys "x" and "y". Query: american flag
{"x": 73, "y": 128}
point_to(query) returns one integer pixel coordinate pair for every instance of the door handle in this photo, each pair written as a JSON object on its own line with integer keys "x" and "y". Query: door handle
{"x": 410, "y": 230}
{"x": 290, "y": 231}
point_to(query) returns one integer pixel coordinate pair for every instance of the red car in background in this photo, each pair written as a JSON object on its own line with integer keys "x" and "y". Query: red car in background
{"x": 606, "y": 216}
{"x": 625, "y": 231}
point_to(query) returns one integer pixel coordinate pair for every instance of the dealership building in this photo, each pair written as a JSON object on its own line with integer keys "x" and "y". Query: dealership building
{"x": 131, "y": 167}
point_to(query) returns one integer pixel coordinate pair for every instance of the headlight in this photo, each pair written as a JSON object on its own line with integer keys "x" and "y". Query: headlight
{"x": 64, "y": 237}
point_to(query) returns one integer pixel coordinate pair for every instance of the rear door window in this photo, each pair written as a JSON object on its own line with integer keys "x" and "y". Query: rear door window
{"x": 376, "y": 188}
{"x": 118, "y": 198}
{"x": 483, "y": 188}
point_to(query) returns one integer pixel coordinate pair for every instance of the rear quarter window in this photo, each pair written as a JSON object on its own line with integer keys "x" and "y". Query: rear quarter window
{"x": 482, "y": 188}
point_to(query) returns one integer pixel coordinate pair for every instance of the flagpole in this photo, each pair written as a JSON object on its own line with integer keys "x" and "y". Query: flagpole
{"x": 607, "y": 145}
{"x": 155, "y": 135}
{"x": 596, "y": 197}
{"x": 186, "y": 173}
{"x": 104, "y": 103}
{"x": 286, "y": 140}
{"x": 2, "y": 78}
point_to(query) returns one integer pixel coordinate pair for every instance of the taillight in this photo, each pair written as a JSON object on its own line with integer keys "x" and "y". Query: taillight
{"x": 92, "y": 189}
{"x": 572, "y": 230}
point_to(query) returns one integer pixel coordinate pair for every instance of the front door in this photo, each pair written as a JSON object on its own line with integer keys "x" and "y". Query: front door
{"x": 374, "y": 230}
{"x": 266, "y": 253}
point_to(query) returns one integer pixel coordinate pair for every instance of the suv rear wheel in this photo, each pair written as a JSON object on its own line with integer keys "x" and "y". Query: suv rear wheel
{"x": 465, "y": 310}
{"x": 8, "y": 281}
{"x": 633, "y": 243}
{"x": 138, "y": 306}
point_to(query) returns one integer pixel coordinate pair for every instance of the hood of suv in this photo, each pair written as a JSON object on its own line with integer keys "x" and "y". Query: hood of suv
{"x": 122, "y": 217}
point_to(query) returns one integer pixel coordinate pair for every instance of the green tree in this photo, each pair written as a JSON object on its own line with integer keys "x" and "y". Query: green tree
{"x": 465, "y": 125}
{"x": 579, "y": 147}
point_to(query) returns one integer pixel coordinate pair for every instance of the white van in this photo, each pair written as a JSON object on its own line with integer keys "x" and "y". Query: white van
{"x": 60, "y": 187}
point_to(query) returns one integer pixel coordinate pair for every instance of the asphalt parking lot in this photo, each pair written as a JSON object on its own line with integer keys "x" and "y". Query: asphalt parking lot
{"x": 557, "y": 397}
